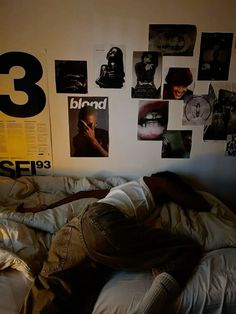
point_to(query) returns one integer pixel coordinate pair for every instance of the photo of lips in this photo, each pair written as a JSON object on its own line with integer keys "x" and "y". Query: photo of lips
{"x": 152, "y": 119}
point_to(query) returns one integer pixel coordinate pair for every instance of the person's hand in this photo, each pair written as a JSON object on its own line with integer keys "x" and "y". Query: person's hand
{"x": 88, "y": 132}
{"x": 149, "y": 66}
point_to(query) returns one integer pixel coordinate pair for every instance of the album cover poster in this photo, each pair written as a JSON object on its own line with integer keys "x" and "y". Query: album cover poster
{"x": 215, "y": 54}
{"x": 71, "y": 76}
{"x": 109, "y": 66}
{"x": 152, "y": 119}
{"x": 177, "y": 144}
{"x": 172, "y": 39}
{"x": 197, "y": 110}
{"x": 231, "y": 145}
{"x": 88, "y": 126}
{"x": 223, "y": 118}
{"x": 147, "y": 70}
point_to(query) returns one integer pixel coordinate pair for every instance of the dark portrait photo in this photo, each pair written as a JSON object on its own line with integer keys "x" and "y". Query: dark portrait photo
{"x": 215, "y": 54}
{"x": 147, "y": 74}
{"x": 111, "y": 74}
{"x": 152, "y": 119}
{"x": 172, "y": 39}
{"x": 177, "y": 82}
{"x": 71, "y": 76}
{"x": 223, "y": 118}
{"x": 177, "y": 144}
{"x": 230, "y": 149}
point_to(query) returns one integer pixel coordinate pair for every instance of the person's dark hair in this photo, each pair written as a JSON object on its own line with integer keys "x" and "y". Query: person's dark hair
{"x": 167, "y": 174}
{"x": 85, "y": 111}
{"x": 117, "y": 58}
{"x": 153, "y": 54}
{"x": 179, "y": 76}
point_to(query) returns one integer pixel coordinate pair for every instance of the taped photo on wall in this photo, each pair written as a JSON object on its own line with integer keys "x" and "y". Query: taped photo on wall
{"x": 177, "y": 144}
{"x": 230, "y": 149}
{"x": 215, "y": 55}
{"x": 109, "y": 66}
{"x": 223, "y": 116}
{"x": 152, "y": 119}
{"x": 88, "y": 126}
{"x": 71, "y": 76}
{"x": 179, "y": 83}
{"x": 172, "y": 39}
{"x": 147, "y": 70}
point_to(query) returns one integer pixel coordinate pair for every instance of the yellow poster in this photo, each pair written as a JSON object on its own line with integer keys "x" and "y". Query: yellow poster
{"x": 25, "y": 134}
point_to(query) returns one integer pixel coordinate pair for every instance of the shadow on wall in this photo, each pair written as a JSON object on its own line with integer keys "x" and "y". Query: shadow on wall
{"x": 213, "y": 174}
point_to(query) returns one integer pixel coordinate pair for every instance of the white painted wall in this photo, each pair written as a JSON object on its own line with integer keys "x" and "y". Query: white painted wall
{"x": 70, "y": 29}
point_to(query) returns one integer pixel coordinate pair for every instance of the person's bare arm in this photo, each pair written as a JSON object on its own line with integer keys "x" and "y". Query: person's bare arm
{"x": 99, "y": 194}
{"x": 81, "y": 194}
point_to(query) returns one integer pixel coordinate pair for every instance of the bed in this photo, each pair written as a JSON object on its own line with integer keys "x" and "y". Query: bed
{"x": 25, "y": 240}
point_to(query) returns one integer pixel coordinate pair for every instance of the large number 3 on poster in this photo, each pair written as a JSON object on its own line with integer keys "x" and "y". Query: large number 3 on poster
{"x": 33, "y": 73}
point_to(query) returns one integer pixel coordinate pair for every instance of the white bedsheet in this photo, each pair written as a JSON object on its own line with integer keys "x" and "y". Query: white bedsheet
{"x": 212, "y": 289}
{"x": 25, "y": 238}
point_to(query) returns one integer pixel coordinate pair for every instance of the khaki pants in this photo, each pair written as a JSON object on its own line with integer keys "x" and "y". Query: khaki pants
{"x": 104, "y": 235}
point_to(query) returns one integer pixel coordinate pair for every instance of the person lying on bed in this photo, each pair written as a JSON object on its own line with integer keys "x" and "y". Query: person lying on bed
{"x": 118, "y": 231}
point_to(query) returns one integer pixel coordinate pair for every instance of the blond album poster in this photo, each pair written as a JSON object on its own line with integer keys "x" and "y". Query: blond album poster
{"x": 25, "y": 147}
{"x": 88, "y": 126}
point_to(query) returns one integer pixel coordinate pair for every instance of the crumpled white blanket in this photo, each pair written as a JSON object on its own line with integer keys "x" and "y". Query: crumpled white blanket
{"x": 25, "y": 238}
{"x": 214, "y": 230}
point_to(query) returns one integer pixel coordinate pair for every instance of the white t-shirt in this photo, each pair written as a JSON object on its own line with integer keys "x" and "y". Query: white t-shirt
{"x": 132, "y": 198}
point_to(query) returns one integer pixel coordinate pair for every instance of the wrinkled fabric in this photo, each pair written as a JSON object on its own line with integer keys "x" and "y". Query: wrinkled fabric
{"x": 105, "y": 235}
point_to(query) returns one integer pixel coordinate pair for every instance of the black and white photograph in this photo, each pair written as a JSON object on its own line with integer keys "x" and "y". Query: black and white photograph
{"x": 197, "y": 110}
{"x": 231, "y": 145}
{"x": 223, "y": 117}
{"x": 88, "y": 126}
{"x": 109, "y": 64}
{"x": 71, "y": 76}
{"x": 177, "y": 144}
{"x": 172, "y": 39}
{"x": 215, "y": 55}
{"x": 228, "y": 101}
{"x": 147, "y": 70}
{"x": 152, "y": 119}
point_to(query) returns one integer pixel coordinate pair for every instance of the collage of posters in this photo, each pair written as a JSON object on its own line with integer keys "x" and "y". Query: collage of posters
{"x": 154, "y": 87}
{"x": 25, "y": 130}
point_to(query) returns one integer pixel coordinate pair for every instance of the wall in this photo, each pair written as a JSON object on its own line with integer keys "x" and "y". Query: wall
{"x": 70, "y": 29}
